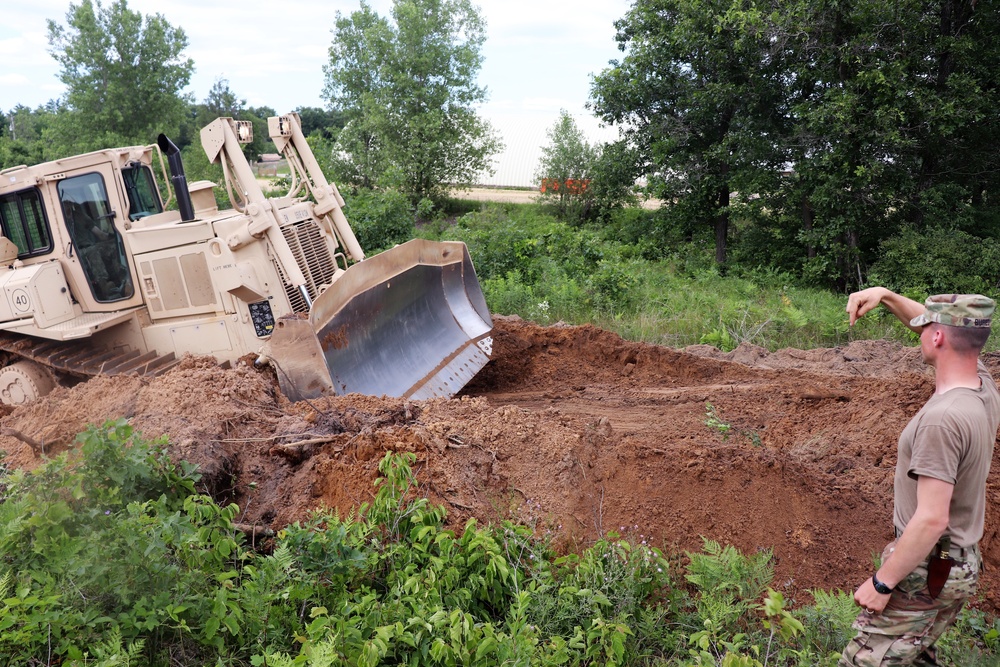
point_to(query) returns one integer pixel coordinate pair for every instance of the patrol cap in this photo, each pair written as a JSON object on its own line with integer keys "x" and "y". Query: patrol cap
{"x": 956, "y": 310}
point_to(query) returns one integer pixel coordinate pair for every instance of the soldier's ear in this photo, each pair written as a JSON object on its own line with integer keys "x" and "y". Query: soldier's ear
{"x": 938, "y": 336}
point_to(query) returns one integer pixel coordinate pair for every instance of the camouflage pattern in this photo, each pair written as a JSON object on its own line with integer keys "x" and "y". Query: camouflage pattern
{"x": 956, "y": 310}
{"x": 905, "y": 632}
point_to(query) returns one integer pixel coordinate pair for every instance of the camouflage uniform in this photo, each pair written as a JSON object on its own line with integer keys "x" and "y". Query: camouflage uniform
{"x": 955, "y": 446}
{"x": 905, "y": 632}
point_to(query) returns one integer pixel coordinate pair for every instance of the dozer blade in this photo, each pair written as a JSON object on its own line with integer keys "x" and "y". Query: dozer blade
{"x": 409, "y": 322}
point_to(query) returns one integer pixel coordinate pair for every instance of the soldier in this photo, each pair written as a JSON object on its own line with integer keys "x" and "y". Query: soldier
{"x": 96, "y": 247}
{"x": 944, "y": 453}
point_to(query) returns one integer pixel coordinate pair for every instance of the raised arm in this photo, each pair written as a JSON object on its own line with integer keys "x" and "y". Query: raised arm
{"x": 903, "y": 308}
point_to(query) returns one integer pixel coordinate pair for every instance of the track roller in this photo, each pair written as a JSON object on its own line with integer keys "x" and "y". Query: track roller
{"x": 23, "y": 382}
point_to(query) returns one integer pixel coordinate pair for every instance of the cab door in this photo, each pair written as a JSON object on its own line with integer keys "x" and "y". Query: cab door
{"x": 94, "y": 215}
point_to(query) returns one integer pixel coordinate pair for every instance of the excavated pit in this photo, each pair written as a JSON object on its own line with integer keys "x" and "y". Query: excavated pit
{"x": 574, "y": 431}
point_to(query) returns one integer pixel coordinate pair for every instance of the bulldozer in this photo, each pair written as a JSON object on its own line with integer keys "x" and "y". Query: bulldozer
{"x": 101, "y": 274}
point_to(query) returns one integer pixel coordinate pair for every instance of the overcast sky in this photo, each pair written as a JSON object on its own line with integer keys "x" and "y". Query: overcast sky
{"x": 538, "y": 58}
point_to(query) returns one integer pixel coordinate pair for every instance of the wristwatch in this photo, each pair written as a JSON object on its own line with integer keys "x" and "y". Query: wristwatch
{"x": 879, "y": 586}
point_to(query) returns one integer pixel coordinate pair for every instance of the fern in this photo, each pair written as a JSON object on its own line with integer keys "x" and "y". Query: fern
{"x": 111, "y": 653}
{"x": 828, "y": 621}
{"x": 729, "y": 584}
{"x": 6, "y": 582}
{"x": 725, "y": 570}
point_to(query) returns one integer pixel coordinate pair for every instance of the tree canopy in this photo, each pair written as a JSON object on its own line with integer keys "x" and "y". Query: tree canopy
{"x": 699, "y": 93}
{"x": 407, "y": 89}
{"x": 835, "y": 124}
{"x": 567, "y": 165}
{"x": 124, "y": 73}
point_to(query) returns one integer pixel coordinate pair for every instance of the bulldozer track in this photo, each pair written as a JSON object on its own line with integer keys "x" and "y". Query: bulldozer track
{"x": 81, "y": 359}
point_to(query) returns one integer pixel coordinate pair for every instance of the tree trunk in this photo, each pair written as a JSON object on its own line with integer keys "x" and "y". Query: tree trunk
{"x": 807, "y": 224}
{"x": 722, "y": 225}
{"x": 853, "y": 262}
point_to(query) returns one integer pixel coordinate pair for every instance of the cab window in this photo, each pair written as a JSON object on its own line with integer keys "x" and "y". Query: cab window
{"x": 143, "y": 197}
{"x": 22, "y": 219}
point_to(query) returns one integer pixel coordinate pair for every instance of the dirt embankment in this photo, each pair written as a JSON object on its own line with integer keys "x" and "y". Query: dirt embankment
{"x": 575, "y": 430}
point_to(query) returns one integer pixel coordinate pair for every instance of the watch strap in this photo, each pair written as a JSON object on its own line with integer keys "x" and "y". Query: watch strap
{"x": 880, "y": 587}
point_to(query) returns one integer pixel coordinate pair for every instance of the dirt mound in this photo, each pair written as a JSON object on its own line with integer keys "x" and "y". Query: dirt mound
{"x": 570, "y": 429}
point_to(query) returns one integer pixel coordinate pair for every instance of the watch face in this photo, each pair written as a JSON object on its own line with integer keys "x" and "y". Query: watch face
{"x": 880, "y": 587}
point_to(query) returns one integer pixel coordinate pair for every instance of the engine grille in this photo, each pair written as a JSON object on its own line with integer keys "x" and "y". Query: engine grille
{"x": 313, "y": 255}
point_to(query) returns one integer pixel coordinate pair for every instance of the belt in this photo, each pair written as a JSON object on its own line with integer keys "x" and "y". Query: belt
{"x": 960, "y": 554}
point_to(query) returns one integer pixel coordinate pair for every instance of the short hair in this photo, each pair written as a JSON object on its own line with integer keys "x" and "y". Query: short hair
{"x": 967, "y": 339}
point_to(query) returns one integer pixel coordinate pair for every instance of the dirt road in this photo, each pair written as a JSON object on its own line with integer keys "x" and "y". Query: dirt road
{"x": 576, "y": 432}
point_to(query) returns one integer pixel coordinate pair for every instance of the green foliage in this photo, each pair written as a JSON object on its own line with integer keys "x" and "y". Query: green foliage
{"x": 524, "y": 259}
{"x": 110, "y": 557}
{"x": 698, "y": 92}
{"x": 719, "y": 338}
{"x": 407, "y": 89}
{"x": 380, "y": 218}
{"x": 21, "y": 140}
{"x": 729, "y": 583}
{"x": 124, "y": 73}
{"x": 220, "y": 102}
{"x": 713, "y": 421}
{"x": 827, "y": 626}
{"x": 533, "y": 265}
{"x": 806, "y": 133}
{"x": 566, "y": 168}
{"x": 116, "y": 540}
{"x": 936, "y": 261}
{"x": 974, "y": 640}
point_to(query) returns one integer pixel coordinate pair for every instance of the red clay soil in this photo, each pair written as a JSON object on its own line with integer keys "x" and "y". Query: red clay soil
{"x": 574, "y": 431}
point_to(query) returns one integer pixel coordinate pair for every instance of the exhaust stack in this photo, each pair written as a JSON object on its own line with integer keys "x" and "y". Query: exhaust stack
{"x": 177, "y": 177}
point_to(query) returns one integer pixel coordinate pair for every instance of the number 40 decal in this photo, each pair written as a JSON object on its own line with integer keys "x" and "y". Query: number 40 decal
{"x": 22, "y": 302}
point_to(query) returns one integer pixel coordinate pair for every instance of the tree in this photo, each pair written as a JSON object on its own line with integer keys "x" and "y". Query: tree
{"x": 567, "y": 166}
{"x": 319, "y": 121}
{"x": 894, "y": 110}
{"x": 123, "y": 73}
{"x": 407, "y": 89}
{"x": 699, "y": 93}
{"x": 21, "y": 138}
{"x": 222, "y": 101}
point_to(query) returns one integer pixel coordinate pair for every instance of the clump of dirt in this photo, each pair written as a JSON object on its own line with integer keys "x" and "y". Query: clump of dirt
{"x": 572, "y": 430}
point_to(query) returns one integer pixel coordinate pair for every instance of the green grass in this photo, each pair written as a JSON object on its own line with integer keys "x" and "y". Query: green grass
{"x": 532, "y": 265}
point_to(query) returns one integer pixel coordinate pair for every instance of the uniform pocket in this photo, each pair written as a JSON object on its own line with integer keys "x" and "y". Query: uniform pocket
{"x": 915, "y": 582}
{"x": 895, "y": 636}
{"x": 897, "y": 622}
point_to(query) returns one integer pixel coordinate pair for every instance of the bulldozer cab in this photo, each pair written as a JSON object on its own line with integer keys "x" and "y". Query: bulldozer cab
{"x": 94, "y": 238}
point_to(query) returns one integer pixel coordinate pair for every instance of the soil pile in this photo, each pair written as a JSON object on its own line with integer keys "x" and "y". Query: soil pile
{"x": 571, "y": 430}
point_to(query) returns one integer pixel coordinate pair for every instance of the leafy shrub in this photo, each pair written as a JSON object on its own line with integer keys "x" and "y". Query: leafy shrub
{"x": 509, "y": 294}
{"x": 937, "y": 261}
{"x": 614, "y": 286}
{"x": 110, "y": 557}
{"x": 380, "y": 218}
{"x": 502, "y": 239}
{"x": 973, "y": 641}
{"x": 113, "y": 540}
{"x": 827, "y": 625}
